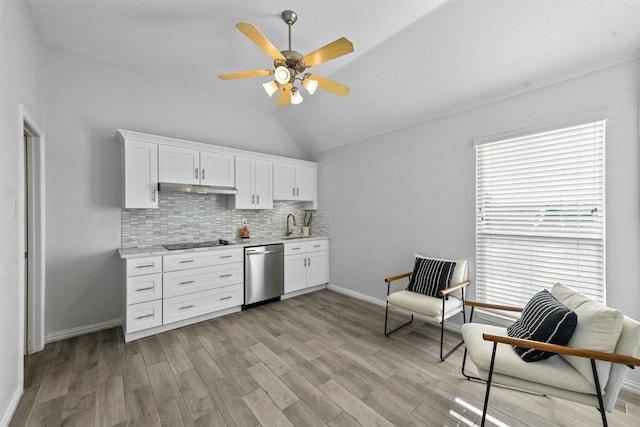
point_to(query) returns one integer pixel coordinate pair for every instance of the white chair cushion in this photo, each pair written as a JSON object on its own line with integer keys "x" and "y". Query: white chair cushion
{"x": 555, "y": 371}
{"x": 459, "y": 272}
{"x": 424, "y": 304}
{"x": 598, "y": 329}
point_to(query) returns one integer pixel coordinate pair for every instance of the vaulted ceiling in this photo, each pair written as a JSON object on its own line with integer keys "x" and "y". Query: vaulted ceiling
{"x": 413, "y": 60}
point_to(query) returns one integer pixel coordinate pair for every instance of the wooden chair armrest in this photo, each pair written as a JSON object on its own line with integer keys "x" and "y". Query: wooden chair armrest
{"x": 492, "y": 306}
{"x": 562, "y": 349}
{"x": 447, "y": 291}
{"x": 398, "y": 277}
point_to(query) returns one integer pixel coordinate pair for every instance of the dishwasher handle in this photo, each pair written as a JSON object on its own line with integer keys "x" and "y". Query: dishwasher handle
{"x": 262, "y": 252}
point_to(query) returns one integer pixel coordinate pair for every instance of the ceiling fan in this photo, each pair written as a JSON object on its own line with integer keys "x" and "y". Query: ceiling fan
{"x": 290, "y": 65}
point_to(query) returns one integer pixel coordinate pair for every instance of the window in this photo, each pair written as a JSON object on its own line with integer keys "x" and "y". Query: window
{"x": 540, "y": 214}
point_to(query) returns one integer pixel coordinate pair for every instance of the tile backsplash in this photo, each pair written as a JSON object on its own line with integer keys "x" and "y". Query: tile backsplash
{"x": 184, "y": 217}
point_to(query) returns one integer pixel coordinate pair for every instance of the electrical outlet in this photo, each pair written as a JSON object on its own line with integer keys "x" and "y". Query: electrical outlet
{"x": 244, "y": 221}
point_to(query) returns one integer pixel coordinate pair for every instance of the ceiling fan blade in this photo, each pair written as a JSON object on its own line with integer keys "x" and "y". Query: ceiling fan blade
{"x": 243, "y": 74}
{"x": 259, "y": 39}
{"x": 333, "y": 50}
{"x": 330, "y": 85}
{"x": 284, "y": 98}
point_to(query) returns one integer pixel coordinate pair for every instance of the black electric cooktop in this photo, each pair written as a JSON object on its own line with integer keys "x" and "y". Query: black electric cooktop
{"x": 193, "y": 245}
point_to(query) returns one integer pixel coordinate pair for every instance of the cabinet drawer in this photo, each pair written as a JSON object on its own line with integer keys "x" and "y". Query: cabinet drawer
{"x": 195, "y": 260}
{"x": 201, "y": 279}
{"x": 200, "y": 303}
{"x": 144, "y": 288}
{"x": 144, "y": 315}
{"x": 138, "y": 266}
{"x": 295, "y": 248}
{"x": 317, "y": 245}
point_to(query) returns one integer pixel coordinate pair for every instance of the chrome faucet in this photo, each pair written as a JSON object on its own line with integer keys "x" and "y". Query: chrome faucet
{"x": 289, "y": 231}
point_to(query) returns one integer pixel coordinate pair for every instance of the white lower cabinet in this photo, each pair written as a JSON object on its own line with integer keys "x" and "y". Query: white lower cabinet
{"x": 306, "y": 264}
{"x": 161, "y": 291}
{"x": 144, "y": 315}
{"x": 200, "y": 303}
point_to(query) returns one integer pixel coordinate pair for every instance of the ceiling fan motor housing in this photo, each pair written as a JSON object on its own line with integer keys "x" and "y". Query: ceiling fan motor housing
{"x": 293, "y": 61}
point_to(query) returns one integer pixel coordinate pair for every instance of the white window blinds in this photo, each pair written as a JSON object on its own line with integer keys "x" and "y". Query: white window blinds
{"x": 540, "y": 214}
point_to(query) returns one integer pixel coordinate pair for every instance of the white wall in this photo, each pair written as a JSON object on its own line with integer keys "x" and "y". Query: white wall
{"x": 413, "y": 190}
{"x": 21, "y": 82}
{"x": 87, "y": 101}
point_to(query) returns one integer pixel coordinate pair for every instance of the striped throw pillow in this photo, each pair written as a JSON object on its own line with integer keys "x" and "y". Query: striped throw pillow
{"x": 430, "y": 276}
{"x": 543, "y": 319}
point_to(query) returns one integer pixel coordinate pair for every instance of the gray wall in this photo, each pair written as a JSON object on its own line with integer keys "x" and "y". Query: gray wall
{"x": 21, "y": 82}
{"x": 413, "y": 190}
{"x": 86, "y": 102}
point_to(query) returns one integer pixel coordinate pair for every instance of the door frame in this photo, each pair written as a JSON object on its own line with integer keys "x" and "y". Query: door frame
{"x": 35, "y": 304}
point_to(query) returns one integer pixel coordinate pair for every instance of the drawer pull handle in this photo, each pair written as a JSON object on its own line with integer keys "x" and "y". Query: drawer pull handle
{"x": 144, "y": 317}
{"x": 222, "y": 299}
{"x": 186, "y": 307}
{"x": 186, "y": 261}
{"x": 145, "y": 266}
{"x": 316, "y": 246}
{"x": 185, "y": 283}
{"x": 226, "y": 256}
{"x": 226, "y": 275}
{"x": 295, "y": 249}
{"x": 144, "y": 289}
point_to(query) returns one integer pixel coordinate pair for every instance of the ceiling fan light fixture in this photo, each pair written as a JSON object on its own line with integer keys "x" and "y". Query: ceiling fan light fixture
{"x": 310, "y": 85}
{"x": 282, "y": 74}
{"x": 270, "y": 87}
{"x": 296, "y": 96}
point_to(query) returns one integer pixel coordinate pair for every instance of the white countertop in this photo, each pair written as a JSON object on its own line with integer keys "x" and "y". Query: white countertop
{"x": 239, "y": 243}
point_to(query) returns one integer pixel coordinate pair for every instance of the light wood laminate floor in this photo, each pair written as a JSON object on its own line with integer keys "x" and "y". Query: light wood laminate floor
{"x": 316, "y": 360}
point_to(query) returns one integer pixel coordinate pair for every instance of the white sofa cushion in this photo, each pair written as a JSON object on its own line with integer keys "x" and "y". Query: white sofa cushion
{"x": 423, "y": 304}
{"x": 554, "y": 372}
{"x": 598, "y": 329}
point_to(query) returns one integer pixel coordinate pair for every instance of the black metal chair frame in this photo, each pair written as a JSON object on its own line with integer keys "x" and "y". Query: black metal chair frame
{"x": 445, "y": 295}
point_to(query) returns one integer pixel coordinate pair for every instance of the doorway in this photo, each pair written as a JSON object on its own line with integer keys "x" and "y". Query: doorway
{"x": 32, "y": 232}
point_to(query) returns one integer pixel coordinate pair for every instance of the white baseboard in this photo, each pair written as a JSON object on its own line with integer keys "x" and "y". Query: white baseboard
{"x": 632, "y": 386}
{"x": 11, "y": 409}
{"x": 81, "y": 330}
{"x": 355, "y": 294}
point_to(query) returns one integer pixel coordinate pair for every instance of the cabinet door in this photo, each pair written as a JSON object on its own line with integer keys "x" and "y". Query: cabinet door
{"x": 295, "y": 272}
{"x": 244, "y": 185}
{"x": 284, "y": 181}
{"x": 179, "y": 165}
{"x": 263, "y": 184}
{"x": 317, "y": 268}
{"x": 306, "y": 183}
{"x": 217, "y": 169}
{"x": 140, "y": 175}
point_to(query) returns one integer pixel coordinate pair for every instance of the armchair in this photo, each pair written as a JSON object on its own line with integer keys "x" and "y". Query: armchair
{"x": 437, "y": 293}
{"x": 590, "y": 369}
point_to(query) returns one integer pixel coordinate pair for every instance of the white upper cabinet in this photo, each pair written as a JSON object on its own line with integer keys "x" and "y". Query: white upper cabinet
{"x": 259, "y": 178}
{"x": 294, "y": 182}
{"x": 179, "y": 165}
{"x": 140, "y": 175}
{"x": 199, "y": 167}
{"x": 217, "y": 169}
{"x": 253, "y": 178}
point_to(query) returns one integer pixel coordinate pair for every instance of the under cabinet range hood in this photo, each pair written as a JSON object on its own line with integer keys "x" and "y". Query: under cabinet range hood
{"x": 197, "y": 189}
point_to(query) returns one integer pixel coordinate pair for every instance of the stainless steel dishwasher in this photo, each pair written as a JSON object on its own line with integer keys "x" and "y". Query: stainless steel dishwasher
{"x": 263, "y": 274}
